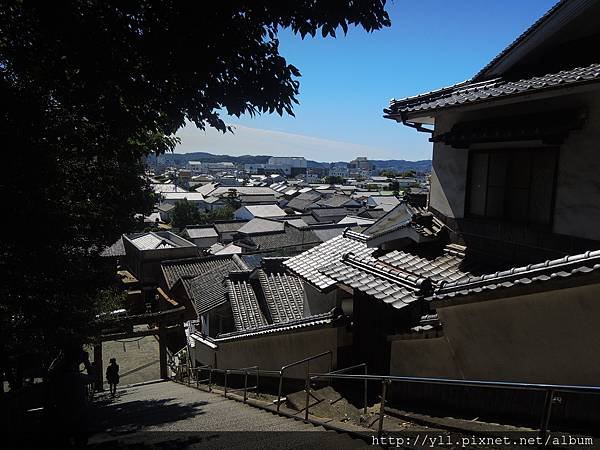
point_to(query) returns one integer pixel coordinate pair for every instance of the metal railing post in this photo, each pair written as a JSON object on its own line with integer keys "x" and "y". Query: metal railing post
{"x": 279, "y": 391}
{"x": 257, "y": 375}
{"x": 384, "y": 384}
{"x": 225, "y": 392}
{"x": 365, "y": 393}
{"x": 307, "y": 389}
{"x": 210, "y": 379}
{"x": 546, "y": 413}
{"x": 245, "y": 385}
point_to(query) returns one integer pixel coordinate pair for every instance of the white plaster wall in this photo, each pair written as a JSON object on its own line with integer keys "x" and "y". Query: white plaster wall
{"x": 577, "y": 197}
{"x": 449, "y": 173}
{"x": 549, "y": 337}
{"x": 271, "y": 352}
{"x": 577, "y": 201}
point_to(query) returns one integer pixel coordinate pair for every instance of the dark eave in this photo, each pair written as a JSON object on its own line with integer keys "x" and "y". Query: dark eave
{"x": 488, "y": 91}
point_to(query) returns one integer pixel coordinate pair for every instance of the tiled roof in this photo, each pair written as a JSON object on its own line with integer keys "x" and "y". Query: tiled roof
{"x": 117, "y": 249}
{"x": 376, "y": 213}
{"x": 330, "y": 212}
{"x": 329, "y": 231}
{"x": 264, "y": 198}
{"x": 308, "y": 195}
{"x": 289, "y": 237}
{"x": 264, "y": 210}
{"x": 165, "y": 207}
{"x": 230, "y": 249}
{"x": 247, "y": 314}
{"x": 384, "y": 282}
{"x": 259, "y": 225}
{"x": 398, "y": 217}
{"x": 201, "y": 232}
{"x": 397, "y": 278}
{"x": 151, "y": 241}
{"x": 229, "y": 225}
{"x": 305, "y": 322}
{"x": 307, "y": 264}
{"x": 284, "y": 295}
{"x": 166, "y": 187}
{"x": 252, "y": 261}
{"x": 533, "y": 273}
{"x": 297, "y": 223}
{"x": 404, "y": 221}
{"x": 206, "y": 189}
{"x": 206, "y": 291}
{"x": 336, "y": 201}
{"x": 191, "y": 267}
{"x": 301, "y": 204}
{"x": 216, "y": 247}
{"x": 190, "y": 196}
{"x": 243, "y": 190}
{"x": 467, "y": 92}
{"x": 355, "y": 220}
{"x": 448, "y": 266}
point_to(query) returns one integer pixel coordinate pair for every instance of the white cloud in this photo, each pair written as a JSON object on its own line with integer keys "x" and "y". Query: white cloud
{"x": 253, "y": 141}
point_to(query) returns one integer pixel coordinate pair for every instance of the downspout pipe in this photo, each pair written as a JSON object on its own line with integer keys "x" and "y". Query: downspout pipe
{"x": 416, "y": 126}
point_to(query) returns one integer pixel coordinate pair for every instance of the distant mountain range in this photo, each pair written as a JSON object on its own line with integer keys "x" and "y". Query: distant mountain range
{"x": 181, "y": 159}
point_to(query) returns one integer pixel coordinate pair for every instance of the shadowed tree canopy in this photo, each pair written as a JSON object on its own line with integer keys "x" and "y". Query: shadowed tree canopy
{"x": 88, "y": 89}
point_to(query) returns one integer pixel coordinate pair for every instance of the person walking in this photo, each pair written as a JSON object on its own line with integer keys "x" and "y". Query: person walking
{"x": 112, "y": 376}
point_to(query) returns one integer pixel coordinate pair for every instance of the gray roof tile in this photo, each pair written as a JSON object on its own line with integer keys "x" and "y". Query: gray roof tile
{"x": 284, "y": 295}
{"x": 307, "y": 264}
{"x": 565, "y": 267}
{"x": 468, "y": 92}
{"x": 247, "y": 314}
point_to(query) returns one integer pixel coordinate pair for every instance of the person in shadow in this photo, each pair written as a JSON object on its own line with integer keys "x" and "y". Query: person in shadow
{"x": 67, "y": 397}
{"x": 112, "y": 376}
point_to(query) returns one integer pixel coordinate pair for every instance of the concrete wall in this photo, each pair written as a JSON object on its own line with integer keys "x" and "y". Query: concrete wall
{"x": 271, "y": 352}
{"x": 423, "y": 358}
{"x": 549, "y": 337}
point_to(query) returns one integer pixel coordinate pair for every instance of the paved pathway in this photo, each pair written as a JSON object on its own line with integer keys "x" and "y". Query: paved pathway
{"x": 137, "y": 358}
{"x": 171, "y": 415}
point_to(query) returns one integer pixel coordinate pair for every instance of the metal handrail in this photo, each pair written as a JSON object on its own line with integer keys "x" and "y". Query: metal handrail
{"x": 550, "y": 390}
{"x": 226, "y": 372}
{"x": 348, "y": 369}
{"x": 471, "y": 383}
{"x": 200, "y": 369}
{"x": 296, "y": 363}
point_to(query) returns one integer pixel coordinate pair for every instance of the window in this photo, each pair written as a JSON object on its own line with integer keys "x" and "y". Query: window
{"x": 516, "y": 185}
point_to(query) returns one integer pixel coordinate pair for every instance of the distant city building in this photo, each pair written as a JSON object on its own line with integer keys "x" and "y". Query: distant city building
{"x": 287, "y": 165}
{"x": 338, "y": 171}
{"x": 292, "y": 161}
{"x": 212, "y": 167}
{"x": 361, "y": 167}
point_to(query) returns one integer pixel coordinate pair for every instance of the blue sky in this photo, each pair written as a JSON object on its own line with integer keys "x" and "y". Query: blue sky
{"x": 347, "y": 81}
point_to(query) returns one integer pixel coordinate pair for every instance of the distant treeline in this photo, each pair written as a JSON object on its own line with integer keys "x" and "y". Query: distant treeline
{"x": 181, "y": 159}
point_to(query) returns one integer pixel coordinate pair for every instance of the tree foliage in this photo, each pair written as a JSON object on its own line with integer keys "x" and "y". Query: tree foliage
{"x": 184, "y": 213}
{"x": 334, "y": 179}
{"x": 91, "y": 87}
